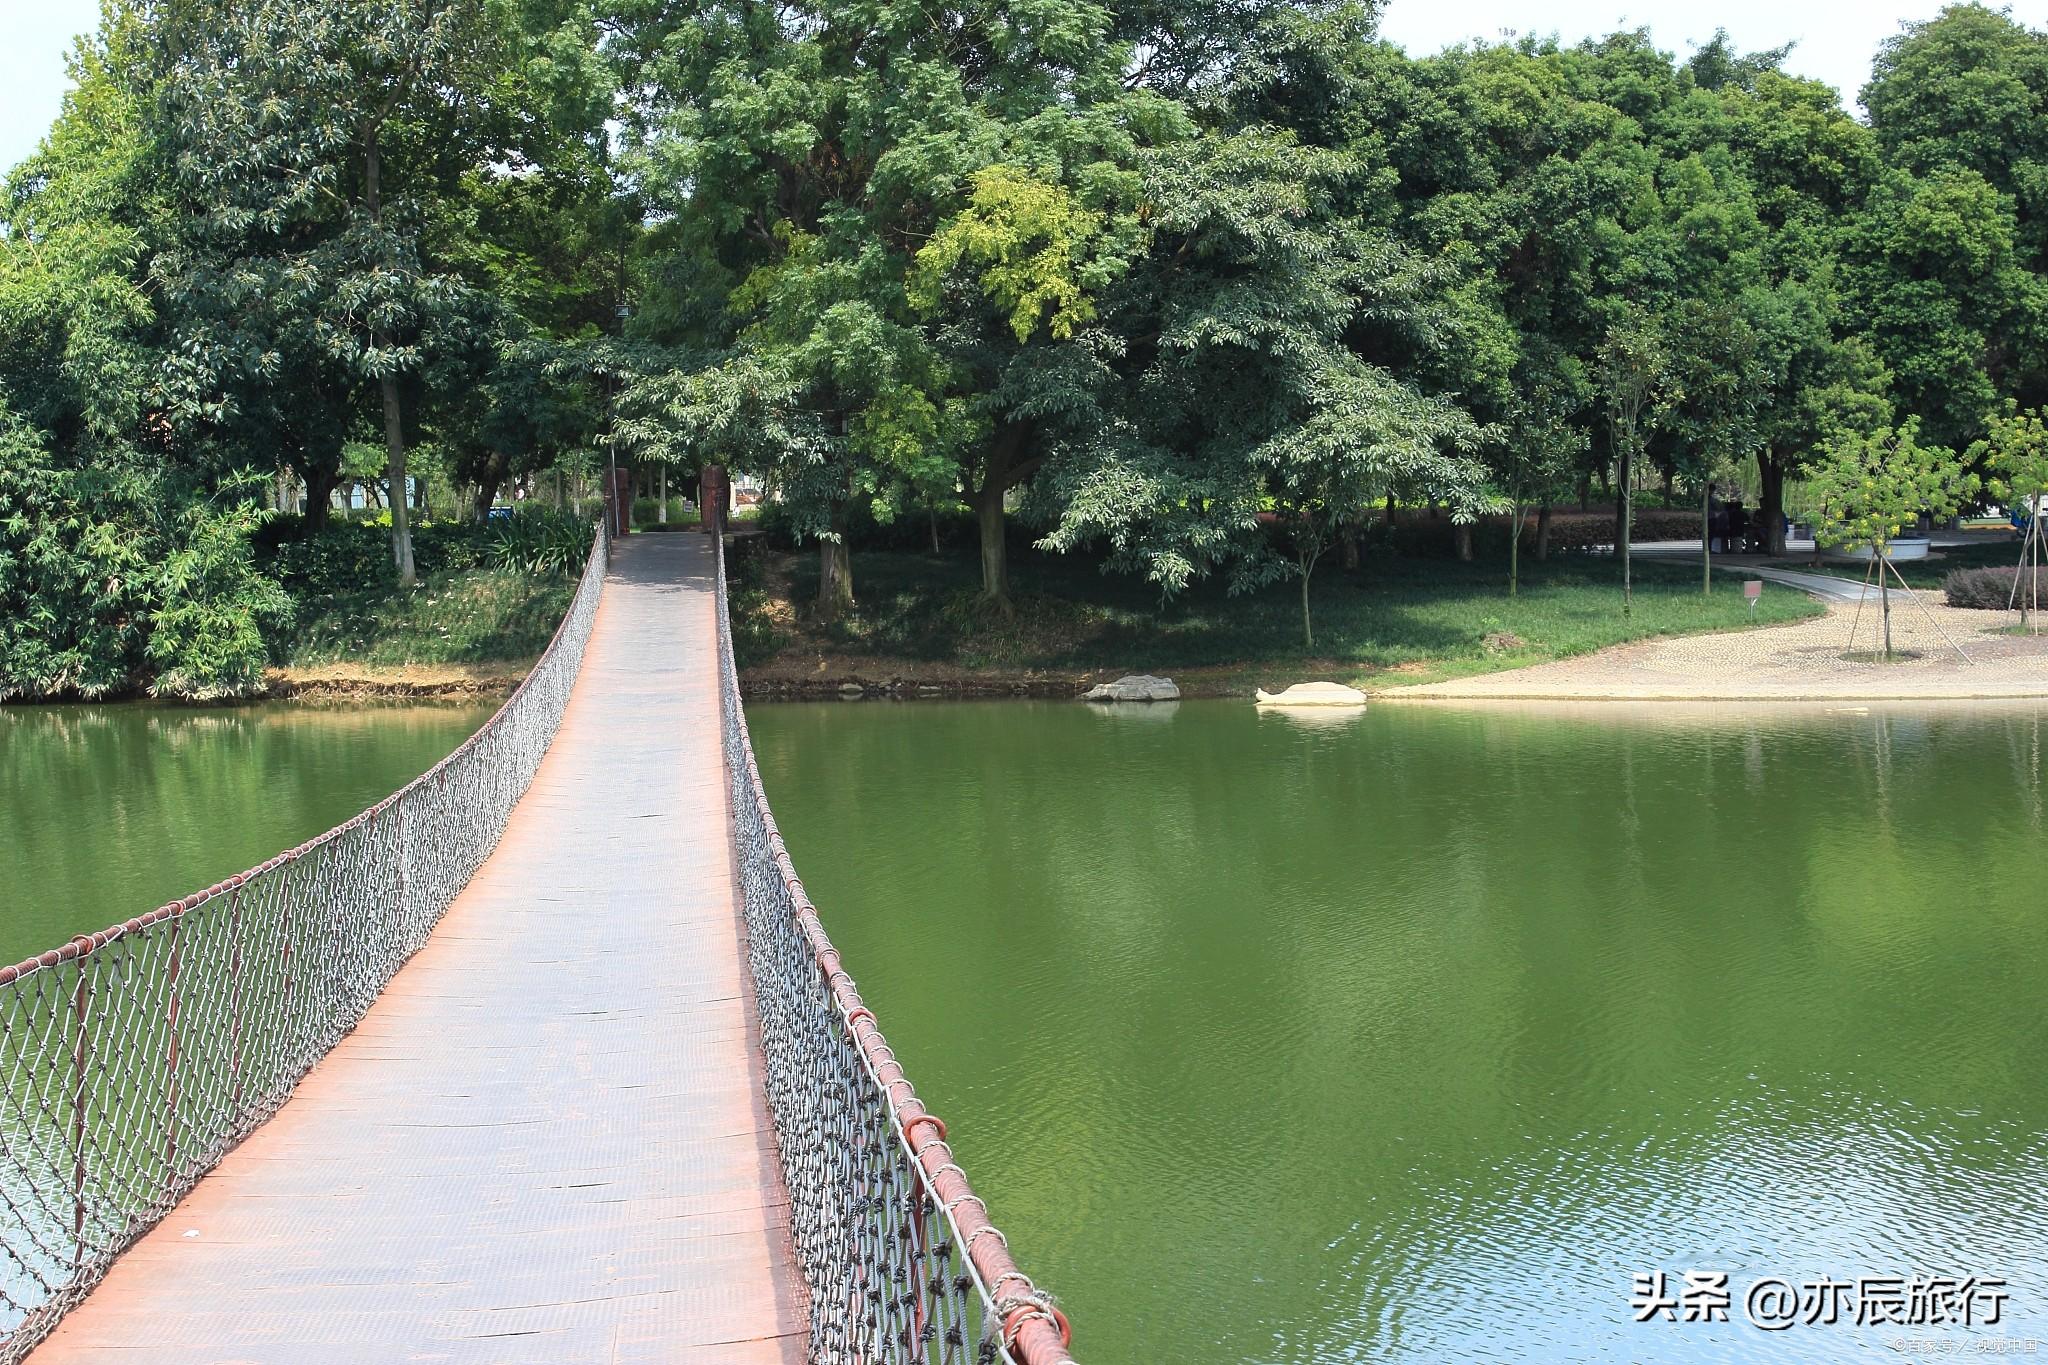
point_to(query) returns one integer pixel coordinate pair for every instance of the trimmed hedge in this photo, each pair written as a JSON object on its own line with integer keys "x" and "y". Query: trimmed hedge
{"x": 1420, "y": 536}
{"x": 1989, "y": 589}
{"x": 1582, "y": 530}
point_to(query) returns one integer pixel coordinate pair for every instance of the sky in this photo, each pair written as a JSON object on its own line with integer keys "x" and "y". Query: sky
{"x": 1835, "y": 38}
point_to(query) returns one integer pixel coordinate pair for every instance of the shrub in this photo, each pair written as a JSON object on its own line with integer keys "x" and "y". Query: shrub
{"x": 647, "y": 514}
{"x": 1582, "y": 530}
{"x": 111, "y": 574}
{"x": 340, "y": 558}
{"x": 207, "y": 636}
{"x": 79, "y": 552}
{"x": 1989, "y": 589}
{"x": 1420, "y": 536}
{"x": 448, "y": 546}
{"x": 345, "y": 557}
{"x": 541, "y": 540}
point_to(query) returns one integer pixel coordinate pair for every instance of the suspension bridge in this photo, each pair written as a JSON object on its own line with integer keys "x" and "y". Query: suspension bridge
{"x": 545, "y": 1058}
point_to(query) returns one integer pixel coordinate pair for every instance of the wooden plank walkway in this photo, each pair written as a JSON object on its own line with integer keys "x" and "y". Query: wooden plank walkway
{"x": 548, "y": 1140}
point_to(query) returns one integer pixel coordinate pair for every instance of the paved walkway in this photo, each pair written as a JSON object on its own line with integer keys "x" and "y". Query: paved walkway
{"x": 1802, "y": 661}
{"x": 1827, "y": 587}
{"x": 547, "y": 1141}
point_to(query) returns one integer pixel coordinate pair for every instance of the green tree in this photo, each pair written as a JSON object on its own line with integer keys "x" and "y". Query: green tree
{"x": 213, "y": 608}
{"x": 1968, "y": 90}
{"x": 1534, "y": 454}
{"x": 1869, "y": 486}
{"x": 79, "y": 347}
{"x": 1636, "y": 380}
{"x": 305, "y": 136}
{"x": 1364, "y": 435}
{"x": 1933, "y": 273}
{"x": 2015, "y": 455}
{"x": 806, "y": 155}
{"x": 1808, "y": 168}
{"x": 1024, "y": 360}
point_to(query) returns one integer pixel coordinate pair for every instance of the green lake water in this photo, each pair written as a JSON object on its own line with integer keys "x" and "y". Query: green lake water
{"x": 108, "y": 811}
{"x": 1414, "y": 1035}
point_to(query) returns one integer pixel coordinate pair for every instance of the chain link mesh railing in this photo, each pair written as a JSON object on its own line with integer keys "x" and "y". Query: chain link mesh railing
{"x": 899, "y": 1257}
{"x": 133, "y": 1059}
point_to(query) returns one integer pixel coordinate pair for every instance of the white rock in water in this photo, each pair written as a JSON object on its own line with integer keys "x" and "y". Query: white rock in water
{"x": 1314, "y": 694}
{"x": 1135, "y": 687}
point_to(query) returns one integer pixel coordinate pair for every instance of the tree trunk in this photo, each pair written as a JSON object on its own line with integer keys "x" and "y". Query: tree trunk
{"x": 1707, "y": 540}
{"x": 1006, "y": 443}
{"x": 1543, "y": 531}
{"x": 835, "y": 571}
{"x": 1514, "y": 549}
{"x": 1771, "y": 475}
{"x": 486, "y": 492}
{"x": 401, "y": 521}
{"x": 394, "y": 425}
{"x": 995, "y": 560}
{"x": 1884, "y": 595}
{"x": 1624, "y": 516}
{"x": 319, "y": 496}
{"x": 931, "y": 517}
{"x": 1350, "y": 544}
{"x": 661, "y": 492}
{"x": 1461, "y": 537}
{"x": 1621, "y": 508}
{"x": 1585, "y": 492}
{"x": 1308, "y": 631}
{"x": 1392, "y": 519}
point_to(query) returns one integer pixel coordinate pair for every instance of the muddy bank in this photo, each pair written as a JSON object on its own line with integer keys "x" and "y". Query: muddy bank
{"x": 417, "y": 682}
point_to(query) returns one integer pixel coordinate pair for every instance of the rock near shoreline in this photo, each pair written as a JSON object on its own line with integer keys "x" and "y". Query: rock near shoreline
{"x": 1134, "y": 687}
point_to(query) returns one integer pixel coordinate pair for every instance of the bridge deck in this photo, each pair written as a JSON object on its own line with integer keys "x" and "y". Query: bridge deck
{"x": 546, "y": 1142}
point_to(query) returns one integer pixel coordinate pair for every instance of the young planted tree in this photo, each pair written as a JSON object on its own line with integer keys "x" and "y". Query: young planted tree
{"x": 1869, "y": 486}
{"x": 1366, "y": 434}
{"x": 1635, "y": 378}
{"x": 1533, "y": 457}
{"x": 2015, "y": 454}
{"x": 1713, "y": 422}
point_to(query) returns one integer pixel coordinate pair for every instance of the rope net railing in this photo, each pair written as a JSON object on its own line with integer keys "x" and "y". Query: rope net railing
{"x": 899, "y": 1257}
{"x": 132, "y": 1060}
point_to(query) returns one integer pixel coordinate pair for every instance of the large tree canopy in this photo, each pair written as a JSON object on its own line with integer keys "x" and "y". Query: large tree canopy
{"x": 1197, "y": 288}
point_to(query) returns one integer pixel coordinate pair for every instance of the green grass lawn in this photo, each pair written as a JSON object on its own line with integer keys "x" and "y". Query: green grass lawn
{"x": 1994, "y": 551}
{"x": 1395, "y": 620}
{"x": 468, "y": 616}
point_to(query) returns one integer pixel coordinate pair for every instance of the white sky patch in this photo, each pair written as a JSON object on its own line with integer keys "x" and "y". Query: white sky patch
{"x": 39, "y": 35}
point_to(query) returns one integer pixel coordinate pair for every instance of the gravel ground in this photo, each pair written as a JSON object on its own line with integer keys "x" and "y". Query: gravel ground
{"x": 1809, "y": 660}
